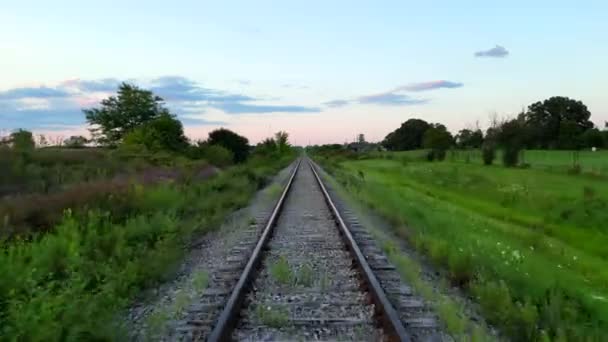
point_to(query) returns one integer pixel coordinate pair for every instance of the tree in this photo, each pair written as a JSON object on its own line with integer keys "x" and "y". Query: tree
{"x": 282, "y": 141}
{"x": 511, "y": 138}
{"x": 438, "y": 139}
{"x": 119, "y": 115}
{"x": 593, "y": 138}
{"x": 238, "y": 145}
{"x": 467, "y": 138}
{"x": 22, "y": 140}
{"x": 75, "y": 141}
{"x": 546, "y": 119}
{"x": 164, "y": 133}
{"x": 407, "y": 137}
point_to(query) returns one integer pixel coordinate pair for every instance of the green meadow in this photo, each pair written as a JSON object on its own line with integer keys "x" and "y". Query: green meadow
{"x": 528, "y": 244}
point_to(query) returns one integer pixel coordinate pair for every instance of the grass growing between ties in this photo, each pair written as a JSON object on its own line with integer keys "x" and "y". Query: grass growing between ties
{"x": 281, "y": 271}
{"x": 528, "y": 245}
{"x": 273, "y": 315}
{"x": 70, "y": 281}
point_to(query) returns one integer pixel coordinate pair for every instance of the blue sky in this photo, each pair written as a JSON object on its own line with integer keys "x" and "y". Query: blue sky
{"x": 322, "y": 70}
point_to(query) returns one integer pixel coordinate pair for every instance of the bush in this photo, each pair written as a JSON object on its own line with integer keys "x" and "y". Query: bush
{"x": 510, "y": 156}
{"x": 216, "y": 155}
{"x": 488, "y": 153}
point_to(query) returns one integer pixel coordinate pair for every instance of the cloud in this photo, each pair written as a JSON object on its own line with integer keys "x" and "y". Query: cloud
{"x": 294, "y": 86}
{"x": 495, "y": 52}
{"x": 38, "y": 107}
{"x": 336, "y": 103}
{"x": 102, "y": 85}
{"x": 242, "y": 108}
{"x": 423, "y": 86}
{"x": 390, "y": 99}
{"x": 39, "y": 92}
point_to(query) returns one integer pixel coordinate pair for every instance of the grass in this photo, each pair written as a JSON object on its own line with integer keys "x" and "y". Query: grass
{"x": 281, "y": 271}
{"x": 594, "y": 163}
{"x": 450, "y": 312}
{"x": 526, "y": 241}
{"x": 273, "y": 316}
{"x": 70, "y": 280}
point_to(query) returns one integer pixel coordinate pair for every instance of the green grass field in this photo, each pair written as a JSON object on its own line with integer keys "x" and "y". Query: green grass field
{"x": 529, "y": 245}
{"x": 559, "y": 161}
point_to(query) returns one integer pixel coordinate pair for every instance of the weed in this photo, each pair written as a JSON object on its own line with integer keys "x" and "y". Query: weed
{"x": 305, "y": 276}
{"x": 273, "y": 316}
{"x": 156, "y": 323}
{"x": 281, "y": 271}
{"x": 200, "y": 280}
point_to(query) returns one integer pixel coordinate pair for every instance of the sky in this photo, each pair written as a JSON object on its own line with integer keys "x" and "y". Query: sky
{"x": 323, "y": 71}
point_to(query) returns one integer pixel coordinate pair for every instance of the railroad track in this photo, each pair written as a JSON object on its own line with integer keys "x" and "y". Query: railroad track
{"x": 311, "y": 272}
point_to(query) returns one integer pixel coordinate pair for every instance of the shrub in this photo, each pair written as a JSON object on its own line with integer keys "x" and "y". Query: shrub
{"x": 510, "y": 156}
{"x": 488, "y": 154}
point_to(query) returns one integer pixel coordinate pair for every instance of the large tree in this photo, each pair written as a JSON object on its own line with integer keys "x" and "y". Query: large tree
{"x": 407, "y": 137}
{"x": 120, "y": 114}
{"x": 238, "y": 145}
{"x": 556, "y": 122}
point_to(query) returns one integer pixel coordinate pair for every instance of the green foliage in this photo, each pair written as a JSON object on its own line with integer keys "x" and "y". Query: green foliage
{"x": 272, "y": 315}
{"x": 75, "y": 141}
{"x": 529, "y": 244}
{"x": 488, "y": 153}
{"x": 438, "y": 140}
{"x": 22, "y": 140}
{"x": 407, "y": 137}
{"x": 593, "y": 138}
{"x": 215, "y": 154}
{"x": 164, "y": 133}
{"x": 556, "y": 122}
{"x": 305, "y": 276}
{"x": 71, "y": 284}
{"x": 119, "y": 115}
{"x": 281, "y": 271}
{"x": 238, "y": 145}
{"x": 282, "y": 140}
{"x": 467, "y": 138}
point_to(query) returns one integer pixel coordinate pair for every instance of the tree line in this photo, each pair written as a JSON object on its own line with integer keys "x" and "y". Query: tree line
{"x": 555, "y": 123}
{"x": 136, "y": 119}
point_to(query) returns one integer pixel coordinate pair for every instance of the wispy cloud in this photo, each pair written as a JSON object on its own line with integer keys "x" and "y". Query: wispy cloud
{"x": 336, "y": 103}
{"x": 495, "y": 52}
{"x": 31, "y": 107}
{"x": 102, "y": 85}
{"x": 241, "y": 108}
{"x": 423, "y": 86}
{"x": 390, "y": 99}
{"x": 33, "y": 92}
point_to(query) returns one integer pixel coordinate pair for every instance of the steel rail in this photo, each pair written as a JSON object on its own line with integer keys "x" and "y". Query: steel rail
{"x": 389, "y": 316}
{"x": 227, "y": 319}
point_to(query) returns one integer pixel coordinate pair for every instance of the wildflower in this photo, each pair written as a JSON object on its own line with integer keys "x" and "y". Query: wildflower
{"x": 574, "y": 258}
{"x": 559, "y": 266}
{"x": 531, "y": 248}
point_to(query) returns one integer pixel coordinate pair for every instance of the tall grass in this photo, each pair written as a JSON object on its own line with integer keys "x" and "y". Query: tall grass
{"x": 534, "y": 275}
{"x": 72, "y": 281}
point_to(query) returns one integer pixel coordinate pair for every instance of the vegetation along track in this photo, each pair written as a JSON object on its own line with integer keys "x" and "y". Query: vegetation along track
{"x": 312, "y": 275}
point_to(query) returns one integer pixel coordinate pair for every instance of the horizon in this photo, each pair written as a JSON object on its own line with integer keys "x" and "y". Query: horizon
{"x": 323, "y": 72}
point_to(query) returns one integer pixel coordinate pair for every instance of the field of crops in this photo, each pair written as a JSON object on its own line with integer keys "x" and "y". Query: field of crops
{"x": 528, "y": 244}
